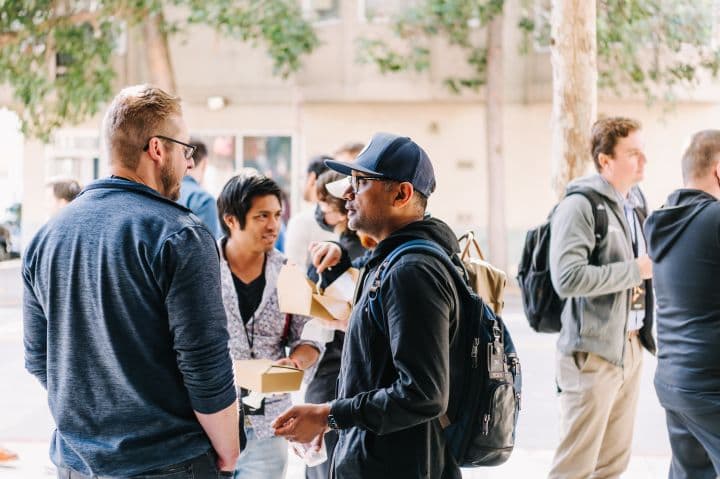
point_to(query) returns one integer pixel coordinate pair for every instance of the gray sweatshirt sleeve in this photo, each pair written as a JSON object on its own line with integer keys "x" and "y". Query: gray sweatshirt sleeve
{"x": 572, "y": 240}
{"x": 196, "y": 318}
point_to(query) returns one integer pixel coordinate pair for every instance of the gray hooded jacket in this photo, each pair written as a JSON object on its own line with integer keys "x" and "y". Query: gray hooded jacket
{"x": 594, "y": 319}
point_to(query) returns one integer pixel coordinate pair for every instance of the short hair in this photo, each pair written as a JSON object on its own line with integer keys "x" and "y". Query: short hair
{"x": 607, "y": 132}
{"x": 352, "y": 148}
{"x": 317, "y": 165}
{"x": 420, "y": 199}
{"x": 238, "y": 193}
{"x": 134, "y": 115}
{"x": 65, "y": 189}
{"x": 200, "y": 152}
{"x": 324, "y": 195}
{"x": 701, "y": 156}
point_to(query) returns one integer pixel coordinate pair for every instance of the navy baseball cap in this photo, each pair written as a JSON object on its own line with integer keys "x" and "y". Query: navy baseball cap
{"x": 395, "y": 158}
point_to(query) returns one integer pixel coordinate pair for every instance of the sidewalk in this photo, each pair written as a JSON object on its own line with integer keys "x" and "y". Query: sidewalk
{"x": 526, "y": 464}
{"x": 25, "y": 422}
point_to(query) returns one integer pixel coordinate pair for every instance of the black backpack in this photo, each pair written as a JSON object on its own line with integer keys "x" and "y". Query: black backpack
{"x": 543, "y": 307}
{"x": 485, "y": 380}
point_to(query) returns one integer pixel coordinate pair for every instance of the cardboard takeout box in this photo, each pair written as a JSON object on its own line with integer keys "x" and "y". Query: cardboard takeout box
{"x": 260, "y": 375}
{"x": 298, "y": 295}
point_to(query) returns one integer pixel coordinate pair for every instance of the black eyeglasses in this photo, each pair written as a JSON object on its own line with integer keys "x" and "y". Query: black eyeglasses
{"x": 356, "y": 181}
{"x": 188, "y": 150}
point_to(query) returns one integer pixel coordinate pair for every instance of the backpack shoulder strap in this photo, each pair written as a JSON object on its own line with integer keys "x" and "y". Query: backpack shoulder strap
{"x": 600, "y": 214}
{"x": 412, "y": 246}
{"x": 599, "y": 209}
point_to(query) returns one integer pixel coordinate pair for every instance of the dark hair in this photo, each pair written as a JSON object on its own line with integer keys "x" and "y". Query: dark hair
{"x": 606, "y": 133}
{"x": 324, "y": 195}
{"x": 420, "y": 199}
{"x": 201, "y": 151}
{"x": 237, "y": 195}
{"x": 701, "y": 156}
{"x": 65, "y": 189}
{"x": 317, "y": 165}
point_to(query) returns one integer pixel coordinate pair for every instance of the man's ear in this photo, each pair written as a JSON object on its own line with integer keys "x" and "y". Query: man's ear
{"x": 155, "y": 149}
{"x": 230, "y": 220}
{"x": 603, "y": 160}
{"x": 404, "y": 194}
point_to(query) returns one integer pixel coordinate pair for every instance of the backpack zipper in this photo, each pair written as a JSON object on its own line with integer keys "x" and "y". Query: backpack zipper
{"x": 474, "y": 352}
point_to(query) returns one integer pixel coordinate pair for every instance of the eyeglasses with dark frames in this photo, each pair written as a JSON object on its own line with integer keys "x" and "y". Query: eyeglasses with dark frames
{"x": 188, "y": 150}
{"x": 355, "y": 181}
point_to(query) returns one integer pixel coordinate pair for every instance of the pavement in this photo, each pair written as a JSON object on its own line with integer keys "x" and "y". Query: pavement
{"x": 26, "y": 424}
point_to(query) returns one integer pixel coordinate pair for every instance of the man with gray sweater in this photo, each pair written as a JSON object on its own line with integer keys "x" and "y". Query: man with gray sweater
{"x": 607, "y": 317}
{"x": 134, "y": 356}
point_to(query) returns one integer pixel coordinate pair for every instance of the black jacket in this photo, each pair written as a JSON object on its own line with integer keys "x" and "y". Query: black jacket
{"x": 684, "y": 244}
{"x": 394, "y": 386}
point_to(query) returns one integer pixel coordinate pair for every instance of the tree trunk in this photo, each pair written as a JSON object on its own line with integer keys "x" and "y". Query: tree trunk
{"x": 158, "y": 53}
{"x": 497, "y": 228}
{"x": 574, "y": 63}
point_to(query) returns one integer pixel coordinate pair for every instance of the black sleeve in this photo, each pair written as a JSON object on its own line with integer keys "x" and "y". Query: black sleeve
{"x": 418, "y": 302}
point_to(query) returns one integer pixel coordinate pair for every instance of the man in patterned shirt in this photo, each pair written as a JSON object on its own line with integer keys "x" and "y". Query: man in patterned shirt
{"x": 250, "y": 210}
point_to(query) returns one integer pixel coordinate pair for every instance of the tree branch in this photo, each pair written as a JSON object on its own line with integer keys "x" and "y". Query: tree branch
{"x": 78, "y": 18}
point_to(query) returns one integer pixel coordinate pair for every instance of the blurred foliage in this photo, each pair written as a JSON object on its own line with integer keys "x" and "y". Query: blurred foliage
{"x": 456, "y": 21}
{"x": 57, "y": 56}
{"x": 651, "y": 47}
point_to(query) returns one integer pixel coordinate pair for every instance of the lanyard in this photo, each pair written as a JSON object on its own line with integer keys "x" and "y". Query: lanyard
{"x": 250, "y": 337}
{"x": 634, "y": 238}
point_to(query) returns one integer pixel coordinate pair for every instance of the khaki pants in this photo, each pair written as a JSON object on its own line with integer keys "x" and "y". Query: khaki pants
{"x": 598, "y": 401}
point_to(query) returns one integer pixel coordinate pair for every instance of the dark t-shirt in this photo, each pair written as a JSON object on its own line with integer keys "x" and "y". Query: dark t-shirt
{"x": 249, "y": 295}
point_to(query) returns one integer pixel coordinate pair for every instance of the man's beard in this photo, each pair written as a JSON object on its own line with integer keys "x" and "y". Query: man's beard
{"x": 171, "y": 188}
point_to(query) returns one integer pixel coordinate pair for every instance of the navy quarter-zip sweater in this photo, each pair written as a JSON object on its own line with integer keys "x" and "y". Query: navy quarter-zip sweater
{"x": 124, "y": 326}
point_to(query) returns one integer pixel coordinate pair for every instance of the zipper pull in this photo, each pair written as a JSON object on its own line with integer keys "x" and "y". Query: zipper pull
{"x": 518, "y": 396}
{"x": 474, "y": 352}
{"x": 515, "y": 365}
{"x": 486, "y": 424}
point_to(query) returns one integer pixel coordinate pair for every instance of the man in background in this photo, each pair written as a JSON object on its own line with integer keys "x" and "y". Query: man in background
{"x": 192, "y": 194}
{"x": 685, "y": 248}
{"x": 608, "y": 316}
{"x": 60, "y": 192}
{"x": 308, "y": 226}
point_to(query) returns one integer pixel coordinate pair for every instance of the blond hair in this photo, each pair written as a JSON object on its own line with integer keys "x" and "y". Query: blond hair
{"x": 135, "y": 114}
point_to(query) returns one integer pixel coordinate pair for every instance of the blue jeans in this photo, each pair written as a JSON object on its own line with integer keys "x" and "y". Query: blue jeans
{"x": 262, "y": 458}
{"x": 200, "y": 467}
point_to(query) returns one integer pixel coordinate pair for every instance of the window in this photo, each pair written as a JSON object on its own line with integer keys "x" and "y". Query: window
{"x": 270, "y": 156}
{"x": 321, "y": 10}
{"x": 229, "y": 154}
{"x": 222, "y": 155}
{"x": 74, "y": 154}
{"x": 384, "y": 10}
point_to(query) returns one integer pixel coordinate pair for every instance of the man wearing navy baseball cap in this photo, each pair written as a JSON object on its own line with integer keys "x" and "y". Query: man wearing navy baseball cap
{"x": 394, "y": 378}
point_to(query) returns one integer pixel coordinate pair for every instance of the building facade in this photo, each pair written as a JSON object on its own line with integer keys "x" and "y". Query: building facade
{"x": 249, "y": 118}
